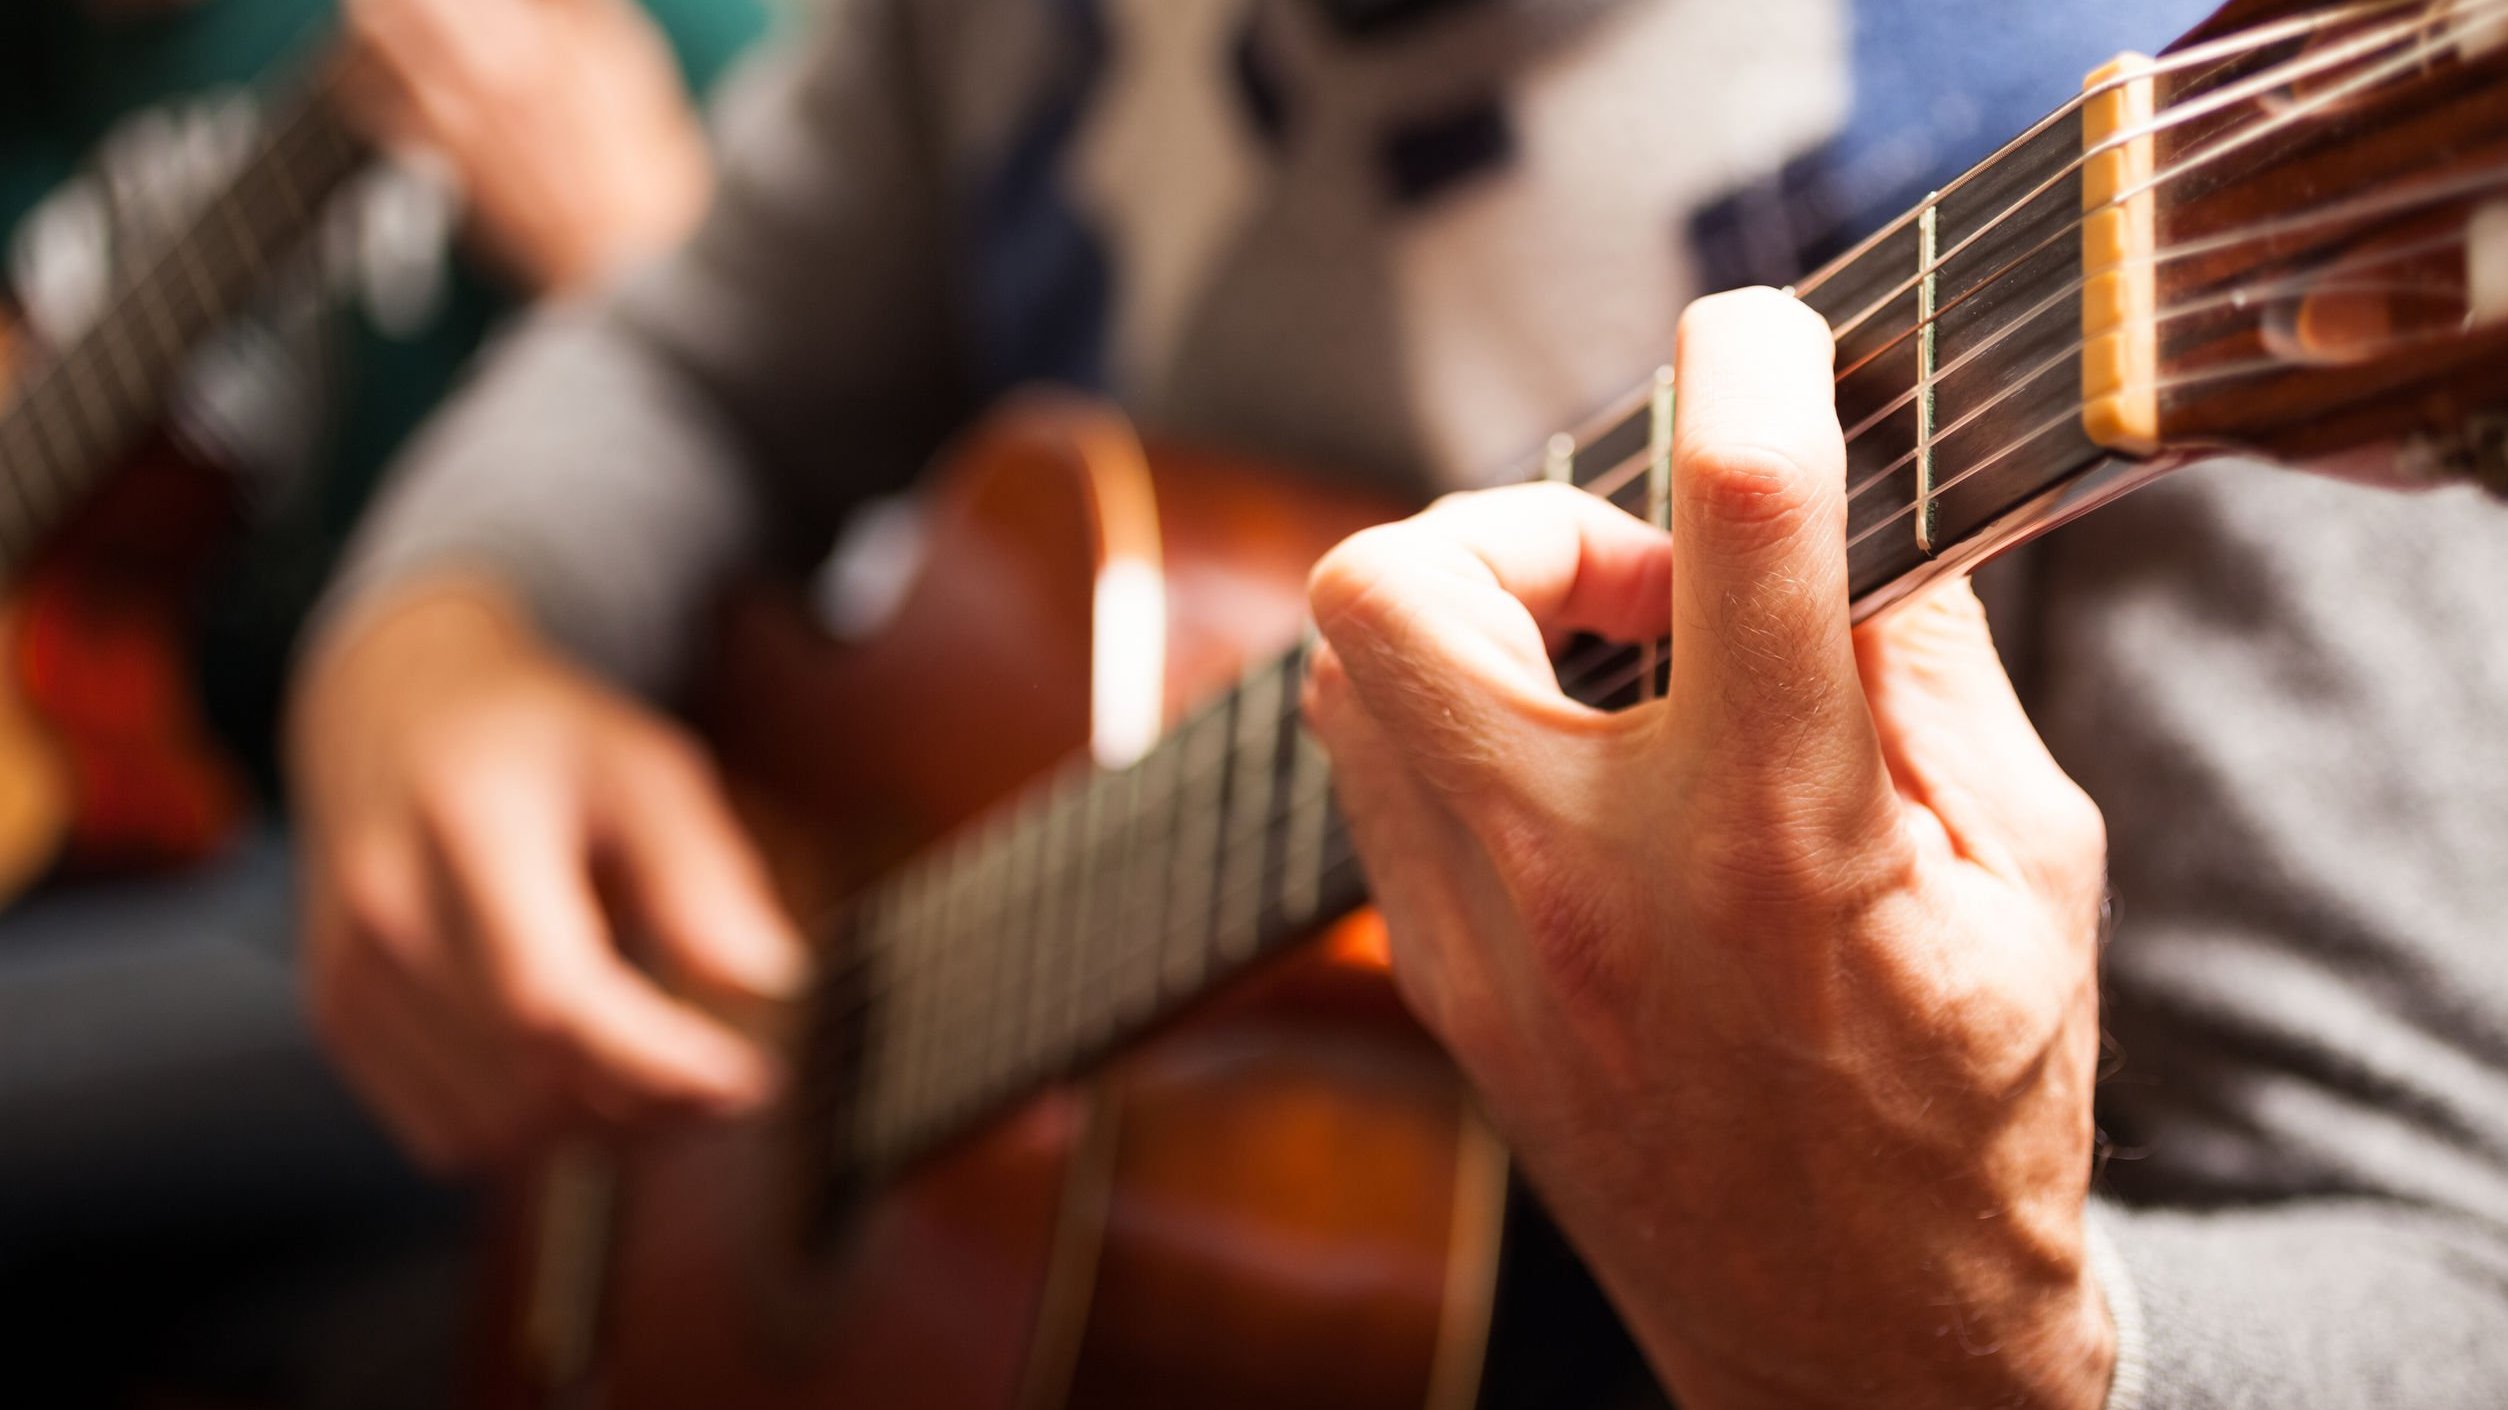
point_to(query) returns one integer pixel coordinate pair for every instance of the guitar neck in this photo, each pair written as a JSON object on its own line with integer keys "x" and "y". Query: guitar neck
{"x": 80, "y": 411}
{"x": 1979, "y": 343}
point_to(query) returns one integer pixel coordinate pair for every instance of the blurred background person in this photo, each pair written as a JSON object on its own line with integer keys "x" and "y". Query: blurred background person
{"x": 188, "y": 1201}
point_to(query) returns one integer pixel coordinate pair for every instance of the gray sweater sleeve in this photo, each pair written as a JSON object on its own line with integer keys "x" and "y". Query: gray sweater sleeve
{"x": 2287, "y": 694}
{"x": 615, "y": 457}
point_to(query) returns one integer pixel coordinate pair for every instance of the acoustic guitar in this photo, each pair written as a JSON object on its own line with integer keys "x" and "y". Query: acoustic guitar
{"x": 108, "y": 523}
{"x": 1103, "y": 1101}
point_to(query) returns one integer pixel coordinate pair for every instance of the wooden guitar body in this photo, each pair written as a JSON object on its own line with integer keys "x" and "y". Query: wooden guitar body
{"x": 1285, "y": 1198}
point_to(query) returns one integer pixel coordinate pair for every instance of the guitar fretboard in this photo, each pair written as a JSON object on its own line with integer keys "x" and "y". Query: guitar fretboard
{"x": 1103, "y": 901}
{"x": 79, "y": 412}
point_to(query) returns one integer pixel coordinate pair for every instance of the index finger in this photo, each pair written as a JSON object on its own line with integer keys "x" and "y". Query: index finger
{"x": 1763, "y": 653}
{"x": 550, "y": 963}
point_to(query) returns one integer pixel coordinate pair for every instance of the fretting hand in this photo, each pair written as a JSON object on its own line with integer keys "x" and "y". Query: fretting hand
{"x": 1783, "y": 986}
{"x": 564, "y": 120}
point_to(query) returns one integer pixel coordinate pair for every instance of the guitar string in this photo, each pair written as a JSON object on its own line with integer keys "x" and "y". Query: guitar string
{"x": 2176, "y": 114}
{"x": 1613, "y": 414}
{"x": 2384, "y": 203}
{"x": 1080, "y": 863}
{"x": 2226, "y": 49}
{"x": 1091, "y": 1008}
{"x": 41, "y": 493}
{"x": 1987, "y": 281}
{"x": 1632, "y": 404}
{"x": 302, "y": 119}
{"x": 1574, "y": 679}
{"x": 2486, "y": 179}
{"x": 1068, "y": 872}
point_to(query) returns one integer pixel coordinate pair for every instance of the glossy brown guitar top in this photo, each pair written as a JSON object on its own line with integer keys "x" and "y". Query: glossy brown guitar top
{"x": 1285, "y": 1198}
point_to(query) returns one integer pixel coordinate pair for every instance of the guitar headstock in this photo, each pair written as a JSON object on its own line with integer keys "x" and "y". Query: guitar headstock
{"x": 2296, "y": 239}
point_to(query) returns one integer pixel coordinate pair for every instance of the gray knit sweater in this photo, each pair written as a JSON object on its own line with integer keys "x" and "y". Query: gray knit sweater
{"x": 1405, "y": 238}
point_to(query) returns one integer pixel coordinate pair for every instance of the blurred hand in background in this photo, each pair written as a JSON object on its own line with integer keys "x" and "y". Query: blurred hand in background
{"x": 564, "y": 121}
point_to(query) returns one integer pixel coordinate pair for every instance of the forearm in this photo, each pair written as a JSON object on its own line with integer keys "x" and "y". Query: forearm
{"x": 591, "y": 483}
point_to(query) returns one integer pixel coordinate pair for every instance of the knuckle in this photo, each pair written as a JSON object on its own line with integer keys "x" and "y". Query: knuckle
{"x": 1744, "y": 484}
{"x": 534, "y": 1012}
{"x": 2081, "y": 825}
{"x": 2076, "y": 838}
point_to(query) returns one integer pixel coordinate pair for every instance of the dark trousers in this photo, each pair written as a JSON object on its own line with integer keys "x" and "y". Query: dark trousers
{"x": 192, "y": 1208}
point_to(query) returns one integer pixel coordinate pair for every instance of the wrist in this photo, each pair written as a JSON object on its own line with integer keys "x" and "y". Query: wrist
{"x": 395, "y": 645}
{"x": 1918, "y": 1324}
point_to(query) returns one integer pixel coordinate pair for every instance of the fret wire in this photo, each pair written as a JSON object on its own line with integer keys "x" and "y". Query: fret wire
{"x": 114, "y": 377}
{"x": 1071, "y": 1022}
{"x": 1962, "y": 422}
{"x": 2278, "y": 76}
{"x": 1024, "y": 875}
{"x": 1052, "y": 909}
{"x": 1928, "y": 375}
{"x": 950, "y": 1029}
{"x": 1201, "y": 834}
{"x": 1140, "y": 885}
{"x": 138, "y": 387}
{"x": 906, "y": 939}
{"x": 1316, "y": 790}
{"x": 41, "y": 412}
{"x": 1927, "y": 227}
{"x": 2044, "y": 428}
{"x": 1302, "y": 870}
{"x": 154, "y": 303}
{"x": 1558, "y": 461}
{"x": 1249, "y": 805}
{"x": 987, "y": 925}
{"x": 2053, "y": 185}
{"x": 1658, "y": 477}
{"x": 990, "y": 942}
{"x": 1187, "y": 748}
{"x": 17, "y": 528}
{"x": 84, "y": 394}
{"x": 903, "y": 934}
{"x": 2060, "y": 301}
{"x": 1063, "y": 1034}
{"x": 1316, "y": 795}
{"x": 1175, "y": 802}
{"x": 871, "y": 965}
{"x": 931, "y": 1020}
{"x": 1109, "y": 994}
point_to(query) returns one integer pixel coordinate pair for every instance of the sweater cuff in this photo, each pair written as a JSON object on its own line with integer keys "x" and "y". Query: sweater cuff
{"x": 2129, "y": 1384}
